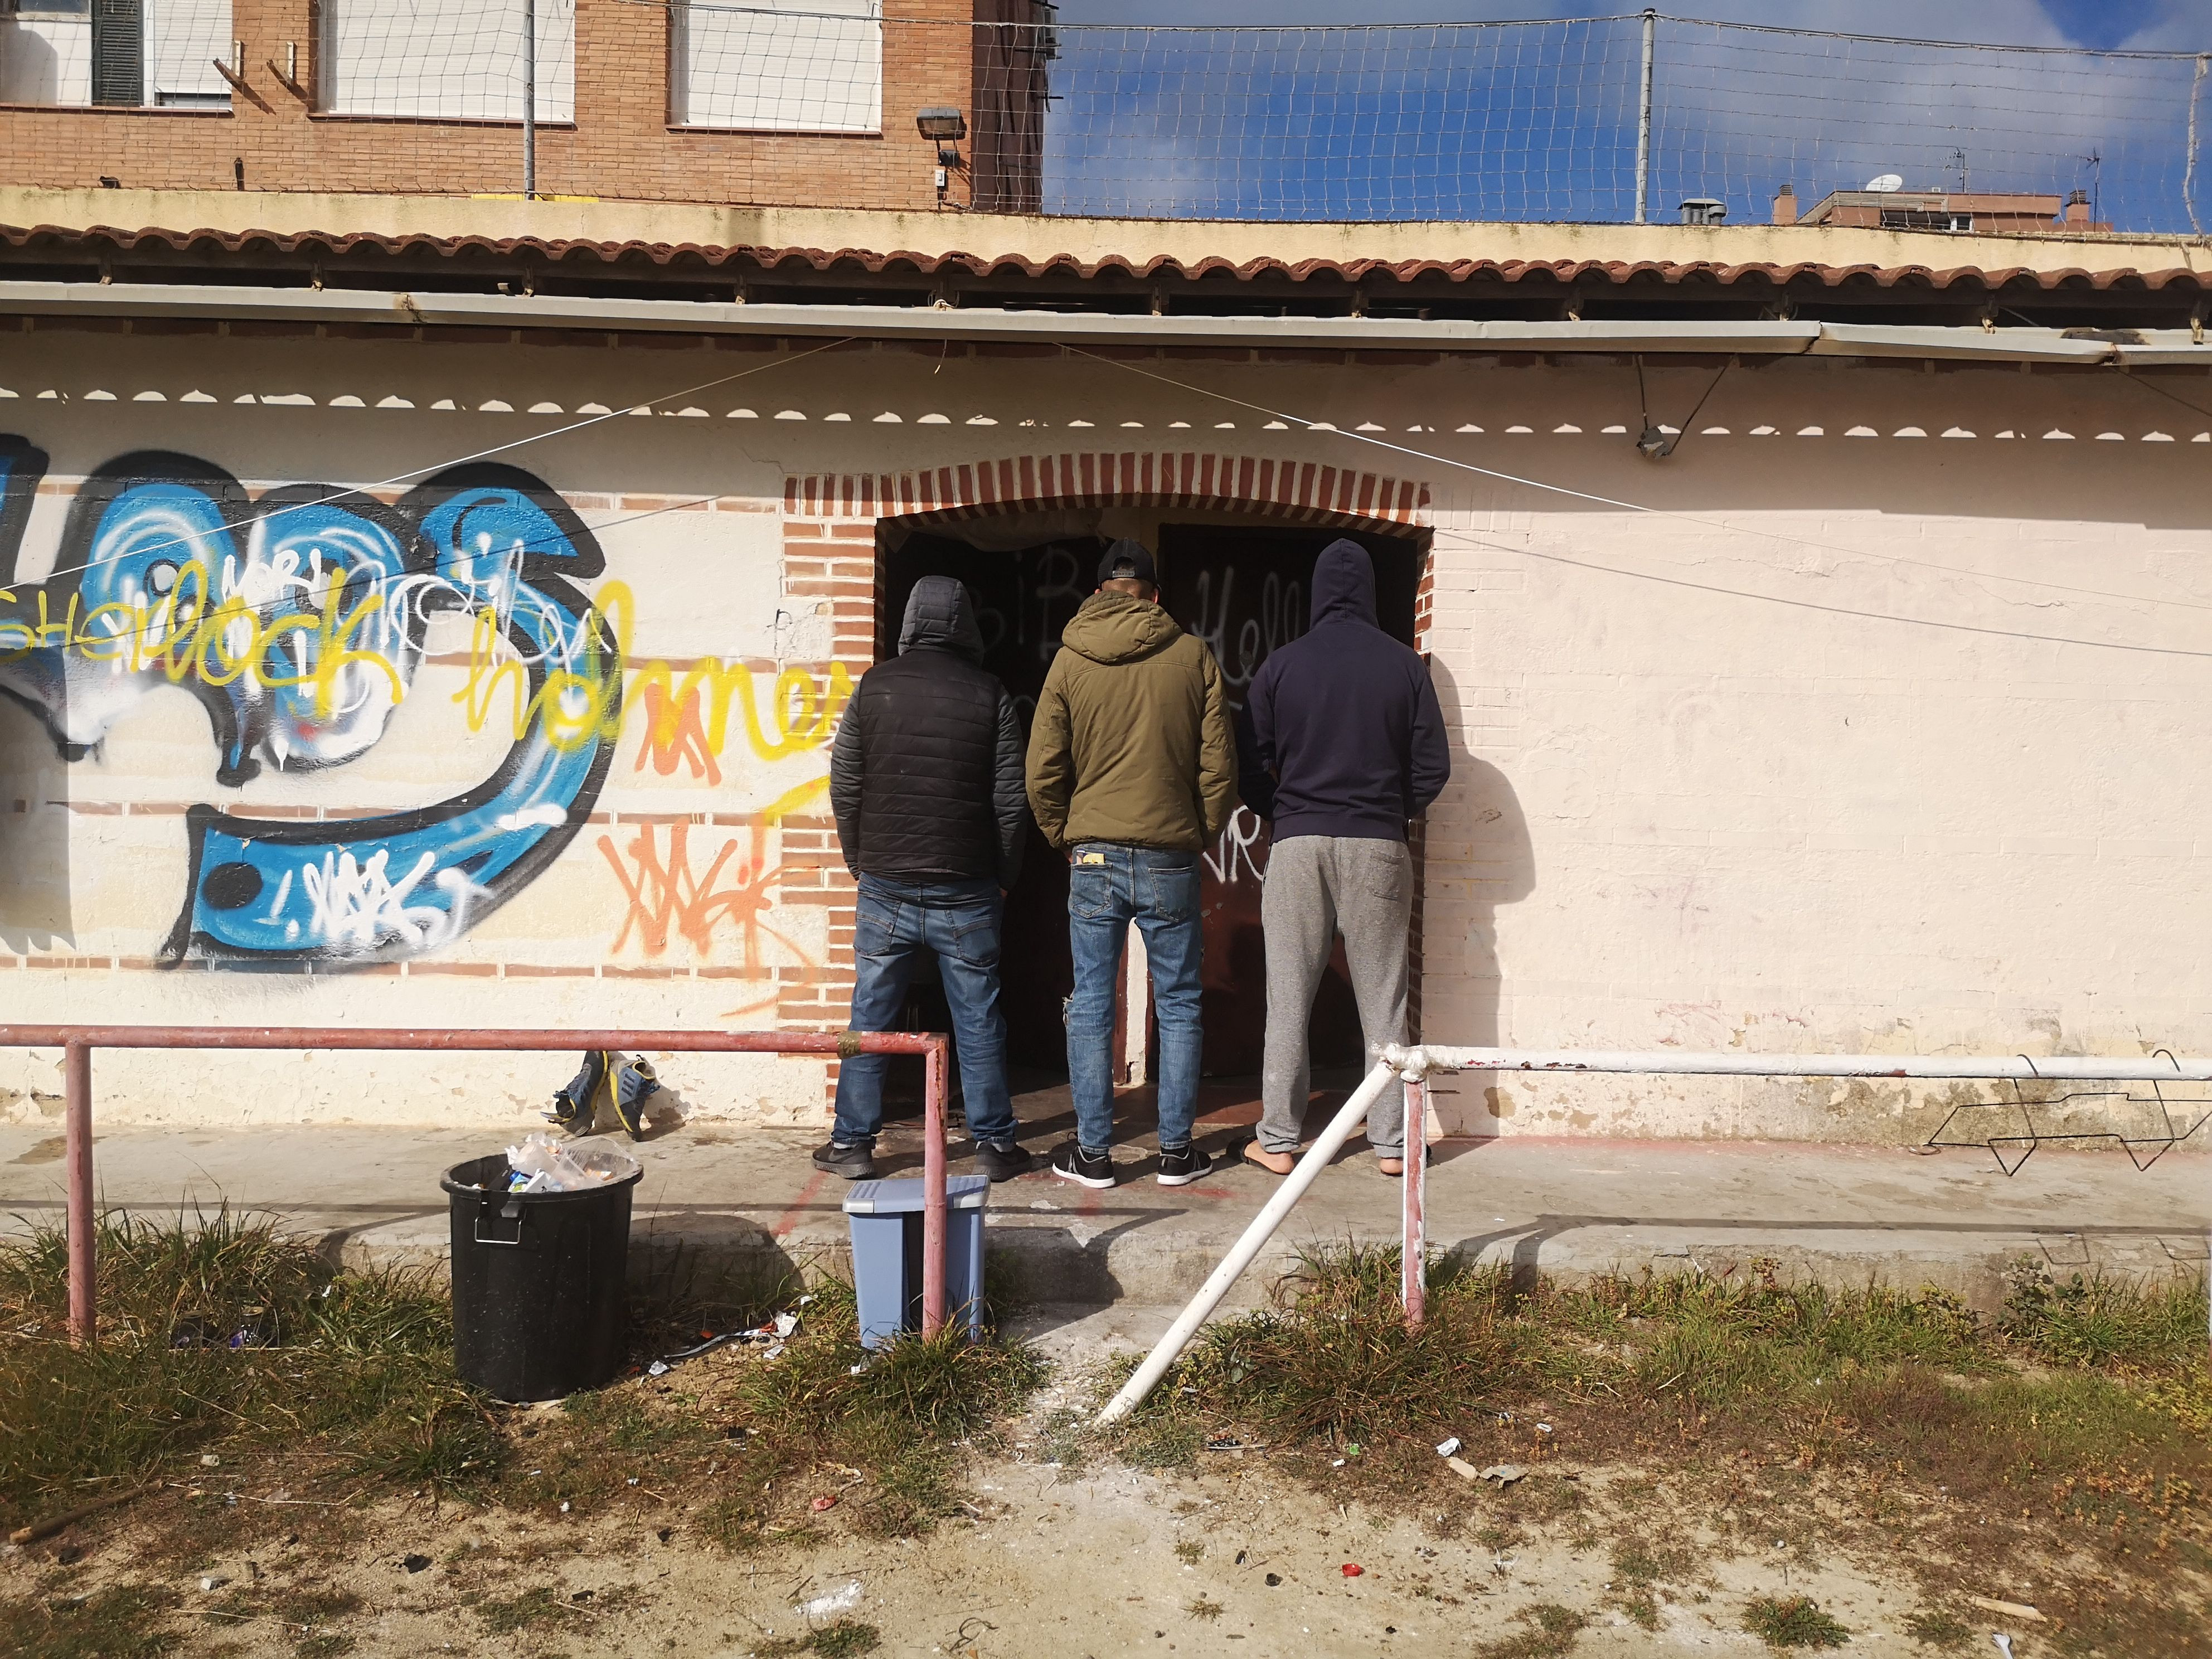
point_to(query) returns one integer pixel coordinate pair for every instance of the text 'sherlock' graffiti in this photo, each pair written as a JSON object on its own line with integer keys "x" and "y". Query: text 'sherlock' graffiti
{"x": 298, "y": 621}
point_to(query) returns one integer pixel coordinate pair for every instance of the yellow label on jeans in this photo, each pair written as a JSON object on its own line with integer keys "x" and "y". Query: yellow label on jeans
{"x": 1091, "y": 858}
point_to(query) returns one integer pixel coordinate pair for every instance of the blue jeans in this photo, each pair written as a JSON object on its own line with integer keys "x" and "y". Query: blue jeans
{"x": 898, "y": 921}
{"x": 1110, "y": 885}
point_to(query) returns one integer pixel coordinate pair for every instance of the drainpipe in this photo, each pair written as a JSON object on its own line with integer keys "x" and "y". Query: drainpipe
{"x": 1643, "y": 121}
{"x": 529, "y": 100}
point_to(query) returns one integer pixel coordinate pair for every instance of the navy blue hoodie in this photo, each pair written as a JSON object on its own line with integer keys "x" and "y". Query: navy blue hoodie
{"x": 1344, "y": 734}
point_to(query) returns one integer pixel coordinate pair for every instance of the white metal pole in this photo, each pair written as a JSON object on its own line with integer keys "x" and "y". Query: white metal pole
{"x": 1643, "y": 121}
{"x": 1350, "y": 1117}
{"x": 530, "y": 101}
{"x": 2023, "y": 1068}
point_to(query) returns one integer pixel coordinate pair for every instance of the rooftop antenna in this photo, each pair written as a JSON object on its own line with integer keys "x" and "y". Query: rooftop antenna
{"x": 1958, "y": 160}
{"x": 1885, "y": 184}
{"x": 2096, "y": 161}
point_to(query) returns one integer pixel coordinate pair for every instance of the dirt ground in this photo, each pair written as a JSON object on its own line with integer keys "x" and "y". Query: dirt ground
{"x": 1236, "y": 1556}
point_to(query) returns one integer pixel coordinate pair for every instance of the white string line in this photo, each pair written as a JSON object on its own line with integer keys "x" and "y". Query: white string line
{"x": 1638, "y": 507}
{"x": 1463, "y": 539}
{"x": 459, "y": 460}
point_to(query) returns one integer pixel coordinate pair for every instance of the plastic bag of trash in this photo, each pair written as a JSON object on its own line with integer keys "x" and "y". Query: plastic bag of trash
{"x": 542, "y": 1164}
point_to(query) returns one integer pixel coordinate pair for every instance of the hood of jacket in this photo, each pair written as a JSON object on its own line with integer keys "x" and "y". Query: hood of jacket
{"x": 1113, "y": 628}
{"x": 939, "y": 613}
{"x": 1344, "y": 584}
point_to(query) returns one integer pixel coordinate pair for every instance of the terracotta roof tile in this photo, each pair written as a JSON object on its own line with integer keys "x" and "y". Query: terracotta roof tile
{"x": 1559, "y": 271}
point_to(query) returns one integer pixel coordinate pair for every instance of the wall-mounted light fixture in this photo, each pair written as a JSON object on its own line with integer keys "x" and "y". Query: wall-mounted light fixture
{"x": 948, "y": 126}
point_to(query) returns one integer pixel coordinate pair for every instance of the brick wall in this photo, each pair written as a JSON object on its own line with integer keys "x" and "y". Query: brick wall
{"x": 620, "y": 145}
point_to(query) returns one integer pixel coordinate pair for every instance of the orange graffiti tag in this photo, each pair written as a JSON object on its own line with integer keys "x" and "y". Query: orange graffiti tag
{"x": 677, "y": 738}
{"x": 669, "y": 898}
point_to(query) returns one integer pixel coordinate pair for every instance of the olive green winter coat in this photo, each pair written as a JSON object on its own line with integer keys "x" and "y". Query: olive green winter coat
{"x": 1132, "y": 741}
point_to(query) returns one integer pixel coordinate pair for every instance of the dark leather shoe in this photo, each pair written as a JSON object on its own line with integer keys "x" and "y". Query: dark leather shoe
{"x": 1003, "y": 1163}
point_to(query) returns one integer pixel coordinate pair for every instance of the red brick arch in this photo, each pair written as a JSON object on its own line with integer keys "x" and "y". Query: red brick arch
{"x": 1304, "y": 490}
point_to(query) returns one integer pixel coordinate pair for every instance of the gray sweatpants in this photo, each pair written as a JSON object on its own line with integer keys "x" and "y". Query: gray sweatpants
{"x": 1316, "y": 886}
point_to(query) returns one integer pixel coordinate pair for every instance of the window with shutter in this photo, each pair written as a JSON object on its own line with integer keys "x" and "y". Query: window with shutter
{"x": 119, "y": 51}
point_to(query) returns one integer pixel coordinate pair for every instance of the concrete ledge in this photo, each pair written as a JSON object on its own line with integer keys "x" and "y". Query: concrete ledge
{"x": 753, "y": 1204}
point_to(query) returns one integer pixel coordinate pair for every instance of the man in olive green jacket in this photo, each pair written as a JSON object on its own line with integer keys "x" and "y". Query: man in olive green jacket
{"x": 1133, "y": 771}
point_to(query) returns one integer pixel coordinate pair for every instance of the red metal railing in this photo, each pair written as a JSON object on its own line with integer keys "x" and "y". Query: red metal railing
{"x": 77, "y": 1043}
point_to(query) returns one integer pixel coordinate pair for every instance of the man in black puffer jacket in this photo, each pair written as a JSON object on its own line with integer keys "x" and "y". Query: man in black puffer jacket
{"x": 925, "y": 782}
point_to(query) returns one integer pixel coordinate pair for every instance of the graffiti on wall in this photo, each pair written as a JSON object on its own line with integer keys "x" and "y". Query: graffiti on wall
{"x": 297, "y": 621}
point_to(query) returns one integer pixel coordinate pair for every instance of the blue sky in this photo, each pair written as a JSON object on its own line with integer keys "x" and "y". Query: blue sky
{"x": 1299, "y": 113}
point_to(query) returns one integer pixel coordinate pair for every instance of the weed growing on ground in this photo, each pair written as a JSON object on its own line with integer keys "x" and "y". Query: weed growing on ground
{"x": 1796, "y": 1622}
{"x": 1551, "y": 1634}
{"x": 123, "y": 1621}
{"x": 221, "y": 1330}
{"x": 1934, "y": 1628}
{"x": 846, "y": 1639}
{"x": 1205, "y": 1611}
{"x": 1190, "y": 1552}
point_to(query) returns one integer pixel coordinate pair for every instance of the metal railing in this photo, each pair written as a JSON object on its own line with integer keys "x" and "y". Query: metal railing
{"x": 78, "y": 1042}
{"x": 1413, "y": 1065}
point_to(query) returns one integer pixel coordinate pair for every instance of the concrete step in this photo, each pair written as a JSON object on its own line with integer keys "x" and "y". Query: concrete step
{"x": 750, "y": 1201}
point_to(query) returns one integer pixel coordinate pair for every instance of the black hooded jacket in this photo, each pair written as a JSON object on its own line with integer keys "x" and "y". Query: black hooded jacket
{"x": 1342, "y": 733}
{"x": 925, "y": 775}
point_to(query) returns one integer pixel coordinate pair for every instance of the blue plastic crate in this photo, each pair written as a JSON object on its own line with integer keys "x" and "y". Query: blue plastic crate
{"x": 885, "y": 1217}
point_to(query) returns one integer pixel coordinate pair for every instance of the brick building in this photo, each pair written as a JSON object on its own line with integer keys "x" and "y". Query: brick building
{"x": 1814, "y": 606}
{"x": 636, "y": 100}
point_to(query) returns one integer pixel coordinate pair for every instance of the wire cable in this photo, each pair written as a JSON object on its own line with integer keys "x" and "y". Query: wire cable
{"x": 459, "y": 460}
{"x": 1638, "y": 507}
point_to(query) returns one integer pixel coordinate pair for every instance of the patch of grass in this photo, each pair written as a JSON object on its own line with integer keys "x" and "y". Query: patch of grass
{"x": 223, "y": 1331}
{"x": 1550, "y": 1634}
{"x": 1933, "y": 1627}
{"x": 124, "y": 1621}
{"x": 1205, "y": 1611}
{"x": 1795, "y": 1622}
{"x": 535, "y": 1607}
{"x": 2091, "y": 1321}
{"x": 1190, "y": 1552}
{"x": 846, "y": 1639}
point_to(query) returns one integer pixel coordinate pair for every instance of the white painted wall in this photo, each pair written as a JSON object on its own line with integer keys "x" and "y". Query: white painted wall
{"x": 1776, "y": 766}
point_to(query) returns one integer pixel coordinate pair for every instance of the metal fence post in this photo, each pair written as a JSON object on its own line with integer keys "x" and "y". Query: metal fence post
{"x": 530, "y": 98}
{"x": 936, "y": 1081}
{"x": 76, "y": 1131}
{"x": 1413, "y": 1250}
{"x": 1643, "y": 122}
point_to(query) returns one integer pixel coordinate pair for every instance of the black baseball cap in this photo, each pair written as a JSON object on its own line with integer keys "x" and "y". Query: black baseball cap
{"x": 1128, "y": 560}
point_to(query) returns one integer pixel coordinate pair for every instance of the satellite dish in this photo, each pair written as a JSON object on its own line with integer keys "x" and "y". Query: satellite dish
{"x": 1885, "y": 183}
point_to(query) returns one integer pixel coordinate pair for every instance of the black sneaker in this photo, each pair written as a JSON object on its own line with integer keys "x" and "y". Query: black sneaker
{"x": 1181, "y": 1166}
{"x": 1077, "y": 1163}
{"x": 855, "y": 1162}
{"x": 1003, "y": 1163}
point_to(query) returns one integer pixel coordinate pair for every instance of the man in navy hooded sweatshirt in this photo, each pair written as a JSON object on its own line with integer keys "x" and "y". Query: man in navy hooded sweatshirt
{"x": 1344, "y": 746}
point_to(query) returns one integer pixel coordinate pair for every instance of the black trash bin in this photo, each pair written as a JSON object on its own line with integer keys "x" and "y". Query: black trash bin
{"x": 538, "y": 1282}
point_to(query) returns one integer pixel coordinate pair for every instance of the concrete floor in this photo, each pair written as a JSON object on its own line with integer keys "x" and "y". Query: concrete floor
{"x": 1566, "y": 1206}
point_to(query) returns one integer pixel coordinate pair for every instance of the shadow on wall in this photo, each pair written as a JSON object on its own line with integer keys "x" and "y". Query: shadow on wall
{"x": 30, "y": 68}
{"x": 1499, "y": 868}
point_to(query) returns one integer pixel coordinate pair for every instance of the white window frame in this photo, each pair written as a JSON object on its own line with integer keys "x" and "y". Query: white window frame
{"x": 179, "y": 41}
